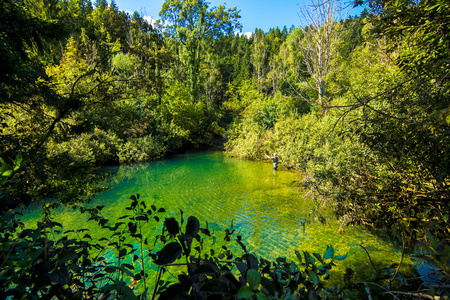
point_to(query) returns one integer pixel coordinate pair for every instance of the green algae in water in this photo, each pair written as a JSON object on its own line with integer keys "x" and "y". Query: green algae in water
{"x": 265, "y": 207}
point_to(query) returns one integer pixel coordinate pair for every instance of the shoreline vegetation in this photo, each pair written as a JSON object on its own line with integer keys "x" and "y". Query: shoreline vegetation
{"x": 360, "y": 105}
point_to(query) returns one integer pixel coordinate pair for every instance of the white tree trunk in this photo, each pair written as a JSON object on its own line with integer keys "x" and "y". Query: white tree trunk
{"x": 322, "y": 33}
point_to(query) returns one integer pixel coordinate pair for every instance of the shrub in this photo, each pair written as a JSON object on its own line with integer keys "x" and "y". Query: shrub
{"x": 141, "y": 149}
{"x": 98, "y": 147}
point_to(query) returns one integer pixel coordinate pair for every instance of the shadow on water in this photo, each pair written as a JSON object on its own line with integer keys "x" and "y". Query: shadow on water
{"x": 266, "y": 208}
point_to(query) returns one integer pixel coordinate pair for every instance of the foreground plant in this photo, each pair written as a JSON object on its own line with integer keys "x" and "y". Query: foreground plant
{"x": 45, "y": 262}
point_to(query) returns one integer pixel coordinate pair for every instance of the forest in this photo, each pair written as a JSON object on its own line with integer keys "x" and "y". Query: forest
{"x": 360, "y": 105}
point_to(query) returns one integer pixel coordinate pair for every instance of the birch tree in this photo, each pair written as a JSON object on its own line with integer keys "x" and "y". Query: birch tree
{"x": 317, "y": 45}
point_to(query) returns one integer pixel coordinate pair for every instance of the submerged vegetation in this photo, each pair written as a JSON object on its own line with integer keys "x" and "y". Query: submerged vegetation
{"x": 363, "y": 112}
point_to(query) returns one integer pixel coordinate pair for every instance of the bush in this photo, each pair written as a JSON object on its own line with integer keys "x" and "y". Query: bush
{"x": 99, "y": 147}
{"x": 141, "y": 149}
{"x": 192, "y": 123}
{"x": 257, "y": 132}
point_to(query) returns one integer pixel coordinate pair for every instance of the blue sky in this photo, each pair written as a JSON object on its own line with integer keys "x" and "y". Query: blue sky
{"x": 262, "y": 14}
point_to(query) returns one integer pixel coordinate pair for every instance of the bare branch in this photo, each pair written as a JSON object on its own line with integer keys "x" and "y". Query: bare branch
{"x": 321, "y": 35}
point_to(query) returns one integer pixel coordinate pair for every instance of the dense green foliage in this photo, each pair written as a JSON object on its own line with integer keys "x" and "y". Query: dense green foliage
{"x": 83, "y": 86}
{"x": 44, "y": 263}
{"x": 379, "y": 148}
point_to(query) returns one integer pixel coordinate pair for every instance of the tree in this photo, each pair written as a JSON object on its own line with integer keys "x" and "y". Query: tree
{"x": 192, "y": 25}
{"x": 408, "y": 120}
{"x": 319, "y": 41}
{"x": 258, "y": 58}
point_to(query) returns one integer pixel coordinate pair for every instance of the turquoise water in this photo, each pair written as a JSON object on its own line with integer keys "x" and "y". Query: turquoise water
{"x": 266, "y": 208}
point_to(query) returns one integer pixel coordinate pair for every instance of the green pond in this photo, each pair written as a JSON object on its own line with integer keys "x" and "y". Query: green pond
{"x": 266, "y": 207}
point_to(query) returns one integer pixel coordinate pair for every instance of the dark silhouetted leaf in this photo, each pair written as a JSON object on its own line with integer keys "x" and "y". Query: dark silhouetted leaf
{"x": 59, "y": 278}
{"x": 169, "y": 254}
{"x": 268, "y": 285}
{"x": 215, "y": 286}
{"x": 281, "y": 260}
{"x": 205, "y": 231}
{"x": 132, "y": 227}
{"x": 175, "y": 291}
{"x": 67, "y": 255}
{"x": 252, "y": 262}
{"x": 142, "y": 218}
{"x": 299, "y": 256}
{"x": 172, "y": 226}
{"x": 184, "y": 280}
{"x": 204, "y": 268}
{"x": 192, "y": 226}
{"x": 122, "y": 252}
{"x": 242, "y": 267}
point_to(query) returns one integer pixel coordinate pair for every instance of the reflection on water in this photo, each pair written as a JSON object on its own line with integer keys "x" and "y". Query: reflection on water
{"x": 266, "y": 208}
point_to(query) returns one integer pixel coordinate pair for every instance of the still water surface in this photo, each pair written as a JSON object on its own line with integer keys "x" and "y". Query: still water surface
{"x": 267, "y": 208}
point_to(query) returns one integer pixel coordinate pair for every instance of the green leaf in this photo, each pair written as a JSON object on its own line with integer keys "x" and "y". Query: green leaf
{"x": 7, "y": 173}
{"x": 299, "y": 256}
{"x": 253, "y": 279}
{"x": 261, "y": 296}
{"x": 245, "y": 292}
{"x": 308, "y": 258}
{"x": 341, "y": 257}
{"x": 268, "y": 285}
{"x": 169, "y": 254}
{"x": 4, "y": 164}
{"x": 319, "y": 258}
{"x": 18, "y": 161}
{"x": 313, "y": 277}
{"x": 329, "y": 253}
{"x": 126, "y": 271}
